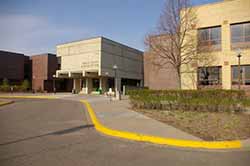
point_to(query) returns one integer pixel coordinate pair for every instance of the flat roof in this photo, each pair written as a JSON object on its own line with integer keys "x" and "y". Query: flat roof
{"x": 102, "y": 37}
{"x": 212, "y": 3}
{"x": 9, "y": 52}
{"x": 43, "y": 54}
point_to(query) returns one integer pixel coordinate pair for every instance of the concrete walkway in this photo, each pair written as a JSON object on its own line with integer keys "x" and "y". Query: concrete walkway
{"x": 118, "y": 115}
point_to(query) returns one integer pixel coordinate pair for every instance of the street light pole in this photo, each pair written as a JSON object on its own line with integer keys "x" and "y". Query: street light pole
{"x": 115, "y": 69}
{"x": 239, "y": 70}
{"x": 54, "y": 86}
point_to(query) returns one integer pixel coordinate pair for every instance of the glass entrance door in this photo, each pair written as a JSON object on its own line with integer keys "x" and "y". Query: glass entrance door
{"x": 96, "y": 83}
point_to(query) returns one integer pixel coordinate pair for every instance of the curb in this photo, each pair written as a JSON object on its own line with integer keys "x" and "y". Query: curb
{"x": 29, "y": 97}
{"x": 160, "y": 140}
{"x": 6, "y": 103}
{"x": 216, "y": 145}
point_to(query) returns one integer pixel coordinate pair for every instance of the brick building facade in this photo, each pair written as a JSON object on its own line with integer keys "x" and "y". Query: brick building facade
{"x": 158, "y": 74}
{"x": 15, "y": 67}
{"x": 44, "y": 67}
{"x": 37, "y": 69}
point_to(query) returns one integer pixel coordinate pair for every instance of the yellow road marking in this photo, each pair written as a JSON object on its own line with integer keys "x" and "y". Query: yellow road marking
{"x": 159, "y": 140}
{"x": 29, "y": 97}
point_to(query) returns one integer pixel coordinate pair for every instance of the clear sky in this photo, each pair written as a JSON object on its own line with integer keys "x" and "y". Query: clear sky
{"x": 37, "y": 26}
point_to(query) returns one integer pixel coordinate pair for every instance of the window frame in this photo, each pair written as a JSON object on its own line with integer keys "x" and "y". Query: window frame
{"x": 234, "y": 81}
{"x": 210, "y": 84}
{"x": 209, "y": 43}
{"x": 242, "y": 43}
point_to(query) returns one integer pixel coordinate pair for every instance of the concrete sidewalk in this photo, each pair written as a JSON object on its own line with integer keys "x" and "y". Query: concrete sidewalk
{"x": 118, "y": 115}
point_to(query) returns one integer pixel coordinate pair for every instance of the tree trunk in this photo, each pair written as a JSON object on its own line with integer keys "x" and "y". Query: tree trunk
{"x": 179, "y": 78}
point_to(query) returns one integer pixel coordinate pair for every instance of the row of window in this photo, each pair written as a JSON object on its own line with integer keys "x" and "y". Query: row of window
{"x": 212, "y": 75}
{"x": 240, "y": 33}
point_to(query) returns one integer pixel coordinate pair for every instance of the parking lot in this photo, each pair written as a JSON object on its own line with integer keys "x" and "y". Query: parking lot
{"x": 58, "y": 132}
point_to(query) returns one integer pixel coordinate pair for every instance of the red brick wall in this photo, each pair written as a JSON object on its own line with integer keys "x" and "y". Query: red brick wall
{"x": 39, "y": 71}
{"x": 37, "y": 84}
{"x": 43, "y": 68}
{"x": 156, "y": 77}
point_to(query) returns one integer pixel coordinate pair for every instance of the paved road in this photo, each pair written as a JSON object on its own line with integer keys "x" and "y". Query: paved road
{"x": 56, "y": 132}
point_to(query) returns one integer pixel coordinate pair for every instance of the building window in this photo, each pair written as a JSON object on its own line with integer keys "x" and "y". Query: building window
{"x": 240, "y": 35}
{"x": 209, "y": 76}
{"x": 209, "y": 37}
{"x": 245, "y": 75}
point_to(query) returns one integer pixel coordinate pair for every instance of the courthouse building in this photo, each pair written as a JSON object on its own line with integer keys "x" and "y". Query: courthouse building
{"x": 100, "y": 64}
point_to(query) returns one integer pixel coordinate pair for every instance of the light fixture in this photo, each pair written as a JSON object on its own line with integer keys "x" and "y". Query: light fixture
{"x": 238, "y": 51}
{"x": 115, "y": 67}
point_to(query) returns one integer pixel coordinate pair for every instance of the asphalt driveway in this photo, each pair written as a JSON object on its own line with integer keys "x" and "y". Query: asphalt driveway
{"x": 58, "y": 132}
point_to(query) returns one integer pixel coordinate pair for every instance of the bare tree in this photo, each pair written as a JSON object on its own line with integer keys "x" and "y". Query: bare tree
{"x": 174, "y": 41}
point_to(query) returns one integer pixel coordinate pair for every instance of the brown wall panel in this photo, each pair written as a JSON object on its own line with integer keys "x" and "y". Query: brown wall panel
{"x": 12, "y": 66}
{"x": 156, "y": 77}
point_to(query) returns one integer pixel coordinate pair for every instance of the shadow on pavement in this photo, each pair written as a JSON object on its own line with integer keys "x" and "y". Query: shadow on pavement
{"x": 60, "y": 132}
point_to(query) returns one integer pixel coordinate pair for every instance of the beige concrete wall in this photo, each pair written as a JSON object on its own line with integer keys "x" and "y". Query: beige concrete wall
{"x": 221, "y": 14}
{"x": 77, "y": 85}
{"x": 106, "y": 53}
{"x": 128, "y": 60}
{"x": 89, "y": 85}
{"x": 104, "y": 84}
{"x": 80, "y": 55}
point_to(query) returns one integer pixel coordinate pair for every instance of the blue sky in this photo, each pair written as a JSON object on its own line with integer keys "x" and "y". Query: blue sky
{"x": 37, "y": 26}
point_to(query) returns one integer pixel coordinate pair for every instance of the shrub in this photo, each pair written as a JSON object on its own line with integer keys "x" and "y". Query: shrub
{"x": 211, "y": 100}
{"x": 25, "y": 85}
{"x": 16, "y": 88}
{"x": 5, "y": 85}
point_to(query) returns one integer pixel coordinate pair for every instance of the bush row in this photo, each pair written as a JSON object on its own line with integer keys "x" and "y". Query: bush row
{"x": 6, "y": 87}
{"x": 16, "y": 88}
{"x": 195, "y": 100}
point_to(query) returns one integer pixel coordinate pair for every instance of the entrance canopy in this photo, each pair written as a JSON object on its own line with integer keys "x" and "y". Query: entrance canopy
{"x": 76, "y": 74}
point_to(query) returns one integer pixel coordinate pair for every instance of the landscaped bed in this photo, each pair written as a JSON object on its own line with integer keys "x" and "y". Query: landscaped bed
{"x": 209, "y": 126}
{"x": 212, "y": 115}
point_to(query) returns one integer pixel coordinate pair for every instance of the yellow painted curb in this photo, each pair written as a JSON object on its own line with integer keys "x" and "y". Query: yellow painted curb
{"x": 159, "y": 140}
{"x": 5, "y": 103}
{"x": 29, "y": 97}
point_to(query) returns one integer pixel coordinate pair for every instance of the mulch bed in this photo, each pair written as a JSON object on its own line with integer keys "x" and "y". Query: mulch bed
{"x": 209, "y": 126}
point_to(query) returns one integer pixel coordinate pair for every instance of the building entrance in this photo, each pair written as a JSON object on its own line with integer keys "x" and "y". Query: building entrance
{"x": 96, "y": 84}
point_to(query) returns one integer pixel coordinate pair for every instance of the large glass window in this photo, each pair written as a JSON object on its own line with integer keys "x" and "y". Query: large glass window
{"x": 209, "y": 36}
{"x": 95, "y": 84}
{"x": 209, "y": 75}
{"x": 240, "y": 33}
{"x": 244, "y": 74}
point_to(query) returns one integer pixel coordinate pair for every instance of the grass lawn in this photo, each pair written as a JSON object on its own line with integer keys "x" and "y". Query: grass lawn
{"x": 210, "y": 126}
